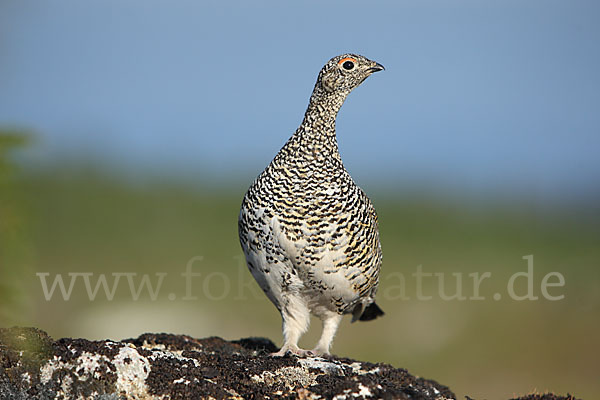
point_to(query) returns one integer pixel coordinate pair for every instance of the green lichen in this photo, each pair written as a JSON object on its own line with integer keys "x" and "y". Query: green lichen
{"x": 25, "y": 349}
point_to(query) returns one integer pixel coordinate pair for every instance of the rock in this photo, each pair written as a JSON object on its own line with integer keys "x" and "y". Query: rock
{"x": 546, "y": 396}
{"x": 163, "y": 366}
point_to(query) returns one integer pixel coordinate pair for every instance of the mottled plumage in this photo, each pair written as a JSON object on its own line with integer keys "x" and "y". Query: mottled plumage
{"x": 309, "y": 233}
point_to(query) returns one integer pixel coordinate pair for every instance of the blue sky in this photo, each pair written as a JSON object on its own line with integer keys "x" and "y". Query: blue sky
{"x": 477, "y": 96}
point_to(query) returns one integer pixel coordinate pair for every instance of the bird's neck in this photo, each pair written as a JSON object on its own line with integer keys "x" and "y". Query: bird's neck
{"x": 316, "y": 135}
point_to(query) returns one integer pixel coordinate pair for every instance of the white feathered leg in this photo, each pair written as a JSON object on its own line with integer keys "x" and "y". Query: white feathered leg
{"x": 331, "y": 321}
{"x": 296, "y": 319}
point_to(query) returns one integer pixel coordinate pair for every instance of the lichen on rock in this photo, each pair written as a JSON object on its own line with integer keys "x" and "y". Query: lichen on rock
{"x": 163, "y": 366}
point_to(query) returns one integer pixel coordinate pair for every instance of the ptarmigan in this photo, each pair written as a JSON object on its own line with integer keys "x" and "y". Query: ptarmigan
{"x": 309, "y": 233}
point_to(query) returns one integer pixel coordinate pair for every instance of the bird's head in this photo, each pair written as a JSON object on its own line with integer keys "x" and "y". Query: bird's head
{"x": 343, "y": 73}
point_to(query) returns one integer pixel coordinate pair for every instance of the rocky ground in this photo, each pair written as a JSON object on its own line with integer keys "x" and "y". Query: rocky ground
{"x": 162, "y": 366}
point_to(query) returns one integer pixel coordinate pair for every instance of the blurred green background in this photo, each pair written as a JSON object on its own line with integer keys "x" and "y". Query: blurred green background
{"x": 78, "y": 218}
{"x": 131, "y": 130}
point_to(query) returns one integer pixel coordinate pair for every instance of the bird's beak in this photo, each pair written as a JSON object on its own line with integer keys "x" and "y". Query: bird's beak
{"x": 375, "y": 68}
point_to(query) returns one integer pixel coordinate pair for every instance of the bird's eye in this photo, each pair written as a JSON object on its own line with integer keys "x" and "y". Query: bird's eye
{"x": 347, "y": 64}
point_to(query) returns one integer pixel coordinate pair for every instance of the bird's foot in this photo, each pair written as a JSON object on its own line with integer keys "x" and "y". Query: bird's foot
{"x": 295, "y": 351}
{"x": 323, "y": 353}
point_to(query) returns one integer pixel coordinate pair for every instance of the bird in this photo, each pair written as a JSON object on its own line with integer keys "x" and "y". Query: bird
{"x": 310, "y": 235}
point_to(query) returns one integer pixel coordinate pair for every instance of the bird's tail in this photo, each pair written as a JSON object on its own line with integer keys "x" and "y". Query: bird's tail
{"x": 369, "y": 313}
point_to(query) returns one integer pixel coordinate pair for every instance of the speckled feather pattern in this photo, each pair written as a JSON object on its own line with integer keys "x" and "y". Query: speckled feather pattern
{"x": 307, "y": 230}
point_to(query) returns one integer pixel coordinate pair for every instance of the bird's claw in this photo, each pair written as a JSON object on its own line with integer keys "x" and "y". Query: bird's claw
{"x": 296, "y": 352}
